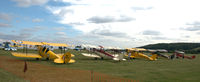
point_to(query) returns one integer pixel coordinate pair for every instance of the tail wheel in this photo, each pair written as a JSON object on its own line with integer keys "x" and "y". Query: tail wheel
{"x": 67, "y": 57}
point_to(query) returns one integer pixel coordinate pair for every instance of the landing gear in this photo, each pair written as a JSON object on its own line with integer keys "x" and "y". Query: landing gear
{"x": 95, "y": 58}
{"x": 47, "y": 58}
{"x": 37, "y": 58}
{"x": 101, "y": 58}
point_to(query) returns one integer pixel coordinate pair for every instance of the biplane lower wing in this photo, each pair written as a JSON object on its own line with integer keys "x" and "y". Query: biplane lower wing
{"x": 28, "y": 55}
{"x": 91, "y": 55}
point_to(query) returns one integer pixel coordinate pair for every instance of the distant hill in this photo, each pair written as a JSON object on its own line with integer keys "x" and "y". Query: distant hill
{"x": 187, "y": 47}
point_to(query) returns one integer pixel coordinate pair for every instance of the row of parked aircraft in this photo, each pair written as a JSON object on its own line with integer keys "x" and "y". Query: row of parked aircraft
{"x": 45, "y": 51}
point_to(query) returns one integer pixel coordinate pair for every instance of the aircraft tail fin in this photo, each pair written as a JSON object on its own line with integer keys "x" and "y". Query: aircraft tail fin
{"x": 193, "y": 57}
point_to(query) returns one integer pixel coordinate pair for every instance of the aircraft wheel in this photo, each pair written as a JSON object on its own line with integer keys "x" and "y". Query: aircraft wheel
{"x": 95, "y": 58}
{"x": 47, "y": 58}
{"x": 101, "y": 58}
{"x": 37, "y": 58}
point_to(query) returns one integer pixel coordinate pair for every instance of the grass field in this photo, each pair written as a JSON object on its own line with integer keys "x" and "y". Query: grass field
{"x": 142, "y": 70}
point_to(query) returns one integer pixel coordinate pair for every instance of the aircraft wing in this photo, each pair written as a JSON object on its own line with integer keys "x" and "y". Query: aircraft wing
{"x": 55, "y": 44}
{"x": 39, "y": 43}
{"x": 90, "y": 55}
{"x": 130, "y": 56}
{"x": 137, "y": 49}
{"x": 26, "y": 42}
{"x": 28, "y": 55}
{"x": 58, "y": 60}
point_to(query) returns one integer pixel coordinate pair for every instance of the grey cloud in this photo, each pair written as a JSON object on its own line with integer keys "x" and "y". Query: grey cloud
{"x": 151, "y": 32}
{"x": 76, "y": 23}
{"x": 186, "y": 36}
{"x": 65, "y": 11}
{"x": 141, "y": 8}
{"x": 5, "y": 16}
{"x": 59, "y": 28}
{"x": 33, "y": 29}
{"x": 21, "y": 36}
{"x": 125, "y": 19}
{"x": 4, "y": 25}
{"x": 27, "y": 3}
{"x": 109, "y": 19}
{"x": 60, "y": 33}
{"x": 97, "y": 19}
{"x": 195, "y": 23}
{"x": 106, "y": 32}
{"x": 196, "y": 28}
{"x": 198, "y": 33}
{"x": 37, "y": 20}
{"x": 160, "y": 38}
{"x": 192, "y": 26}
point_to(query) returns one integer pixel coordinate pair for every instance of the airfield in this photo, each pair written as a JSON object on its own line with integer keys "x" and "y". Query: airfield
{"x": 90, "y": 70}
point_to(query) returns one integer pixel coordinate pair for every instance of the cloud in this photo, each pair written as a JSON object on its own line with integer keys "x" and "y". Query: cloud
{"x": 195, "y": 26}
{"x": 59, "y": 28}
{"x": 107, "y": 32}
{"x": 186, "y": 36}
{"x": 151, "y": 32}
{"x": 62, "y": 35}
{"x": 141, "y": 8}
{"x": 76, "y": 23}
{"x": 5, "y": 16}
{"x": 109, "y": 19}
{"x": 27, "y": 3}
{"x": 32, "y": 29}
{"x": 196, "y": 23}
{"x": 120, "y": 17}
{"x": 37, "y": 20}
{"x": 20, "y": 36}
{"x": 4, "y": 25}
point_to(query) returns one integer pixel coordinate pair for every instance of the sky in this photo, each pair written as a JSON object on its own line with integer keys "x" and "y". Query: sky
{"x": 116, "y": 23}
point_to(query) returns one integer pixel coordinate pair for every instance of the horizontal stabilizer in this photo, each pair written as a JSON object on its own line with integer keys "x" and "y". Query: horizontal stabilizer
{"x": 71, "y": 61}
{"x": 58, "y": 60}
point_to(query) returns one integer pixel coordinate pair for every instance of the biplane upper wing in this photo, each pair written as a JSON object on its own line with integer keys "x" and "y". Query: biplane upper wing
{"x": 28, "y": 55}
{"x": 55, "y": 44}
{"x": 27, "y": 42}
{"x": 137, "y": 49}
{"x": 31, "y": 43}
{"x": 39, "y": 43}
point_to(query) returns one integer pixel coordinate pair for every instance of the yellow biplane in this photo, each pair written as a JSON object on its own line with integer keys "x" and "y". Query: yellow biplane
{"x": 45, "y": 52}
{"x": 136, "y": 53}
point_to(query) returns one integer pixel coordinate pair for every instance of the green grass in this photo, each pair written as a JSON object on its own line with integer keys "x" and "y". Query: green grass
{"x": 8, "y": 77}
{"x": 162, "y": 70}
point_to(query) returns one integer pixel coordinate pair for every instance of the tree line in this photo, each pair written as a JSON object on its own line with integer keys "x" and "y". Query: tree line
{"x": 171, "y": 47}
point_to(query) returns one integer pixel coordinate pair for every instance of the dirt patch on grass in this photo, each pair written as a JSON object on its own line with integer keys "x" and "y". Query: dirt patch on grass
{"x": 42, "y": 73}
